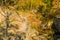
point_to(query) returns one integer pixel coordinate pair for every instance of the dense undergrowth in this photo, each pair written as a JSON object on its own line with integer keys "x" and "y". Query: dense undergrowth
{"x": 28, "y": 19}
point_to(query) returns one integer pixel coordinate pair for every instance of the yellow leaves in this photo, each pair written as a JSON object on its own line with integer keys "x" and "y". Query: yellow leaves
{"x": 30, "y": 4}
{"x": 49, "y": 24}
{"x": 11, "y": 7}
{"x": 42, "y": 3}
